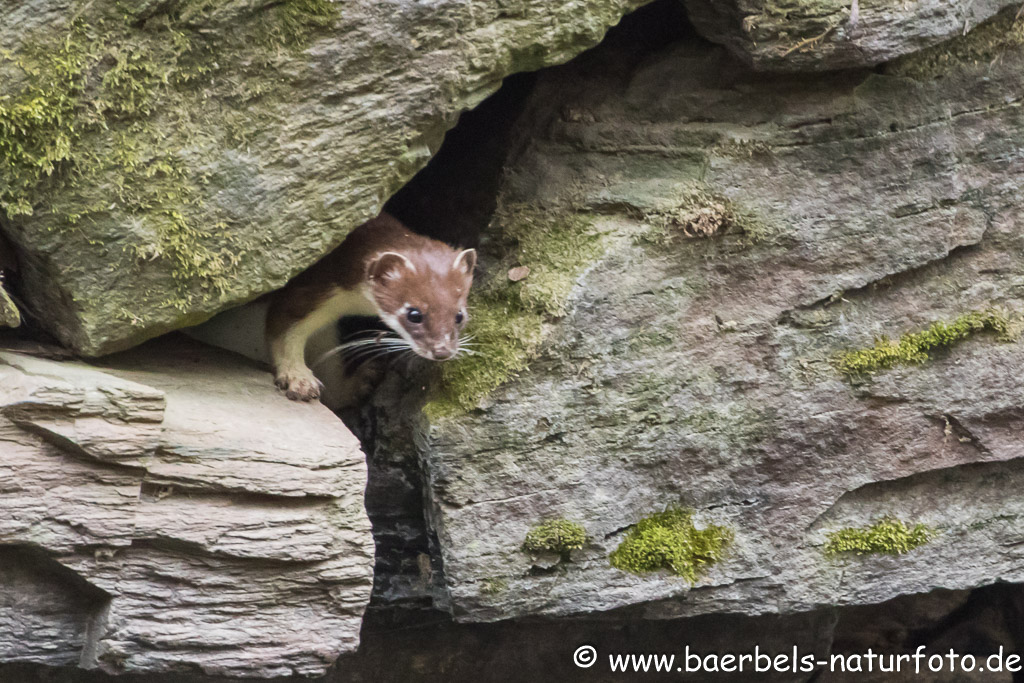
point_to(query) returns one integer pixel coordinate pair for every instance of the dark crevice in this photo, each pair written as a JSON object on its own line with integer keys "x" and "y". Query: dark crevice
{"x": 452, "y": 198}
{"x": 36, "y": 591}
{"x": 48, "y": 570}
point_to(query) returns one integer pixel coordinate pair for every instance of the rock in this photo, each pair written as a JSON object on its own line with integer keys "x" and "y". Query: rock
{"x": 976, "y": 622}
{"x": 699, "y": 371}
{"x": 170, "y": 511}
{"x": 9, "y": 315}
{"x": 187, "y": 157}
{"x": 819, "y": 36}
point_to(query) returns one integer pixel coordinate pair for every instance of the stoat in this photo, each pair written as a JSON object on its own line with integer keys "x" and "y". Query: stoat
{"x": 416, "y": 285}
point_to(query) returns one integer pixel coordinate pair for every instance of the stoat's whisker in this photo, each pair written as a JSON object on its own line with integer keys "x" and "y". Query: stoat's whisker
{"x": 370, "y": 334}
{"x": 360, "y": 346}
{"x": 377, "y": 351}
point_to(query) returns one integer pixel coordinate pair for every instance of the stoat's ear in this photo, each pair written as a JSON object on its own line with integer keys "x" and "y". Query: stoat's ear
{"x": 465, "y": 261}
{"x": 388, "y": 266}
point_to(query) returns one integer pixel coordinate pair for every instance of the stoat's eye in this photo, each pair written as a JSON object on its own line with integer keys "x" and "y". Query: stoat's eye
{"x": 414, "y": 315}
{"x": 459, "y": 317}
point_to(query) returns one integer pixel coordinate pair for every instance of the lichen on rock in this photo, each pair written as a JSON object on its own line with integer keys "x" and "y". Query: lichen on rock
{"x": 702, "y": 212}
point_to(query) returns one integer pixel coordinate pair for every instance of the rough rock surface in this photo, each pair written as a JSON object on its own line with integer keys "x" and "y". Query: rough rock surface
{"x": 172, "y": 160}
{"x": 698, "y": 371}
{"x": 169, "y": 511}
{"x": 799, "y": 36}
{"x": 9, "y": 316}
{"x": 979, "y": 621}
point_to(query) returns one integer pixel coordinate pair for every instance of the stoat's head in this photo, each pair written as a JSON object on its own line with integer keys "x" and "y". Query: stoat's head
{"x": 421, "y": 295}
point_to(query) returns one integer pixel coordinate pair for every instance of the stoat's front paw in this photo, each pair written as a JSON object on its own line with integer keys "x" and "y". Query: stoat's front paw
{"x": 298, "y": 385}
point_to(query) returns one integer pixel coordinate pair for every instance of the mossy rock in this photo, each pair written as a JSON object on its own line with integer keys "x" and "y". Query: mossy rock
{"x": 160, "y": 162}
{"x": 9, "y": 315}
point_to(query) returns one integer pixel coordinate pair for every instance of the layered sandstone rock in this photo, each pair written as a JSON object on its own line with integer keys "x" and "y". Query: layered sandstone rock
{"x": 167, "y": 511}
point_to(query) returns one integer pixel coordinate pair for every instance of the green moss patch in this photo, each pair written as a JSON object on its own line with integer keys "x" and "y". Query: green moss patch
{"x": 555, "y": 536}
{"x": 887, "y": 536}
{"x": 37, "y": 122}
{"x": 985, "y": 43}
{"x": 507, "y": 318}
{"x": 916, "y": 347}
{"x": 670, "y": 540}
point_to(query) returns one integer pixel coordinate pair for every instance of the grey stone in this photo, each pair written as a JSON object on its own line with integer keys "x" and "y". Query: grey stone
{"x": 168, "y": 511}
{"x": 820, "y": 36}
{"x": 214, "y": 151}
{"x": 9, "y": 315}
{"x": 698, "y": 371}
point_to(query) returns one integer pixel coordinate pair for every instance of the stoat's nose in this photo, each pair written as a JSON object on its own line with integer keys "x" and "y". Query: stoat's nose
{"x": 443, "y": 353}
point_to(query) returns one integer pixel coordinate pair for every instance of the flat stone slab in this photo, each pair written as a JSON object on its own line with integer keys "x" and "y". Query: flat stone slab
{"x": 171, "y": 511}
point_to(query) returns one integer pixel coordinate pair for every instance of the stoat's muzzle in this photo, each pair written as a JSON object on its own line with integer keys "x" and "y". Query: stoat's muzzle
{"x": 422, "y": 295}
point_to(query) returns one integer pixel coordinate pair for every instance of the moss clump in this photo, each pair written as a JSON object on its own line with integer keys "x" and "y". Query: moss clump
{"x": 915, "y": 347}
{"x": 505, "y": 337}
{"x": 507, "y": 318}
{"x": 493, "y": 586}
{"x": 888, "y": 536}
{"x": 37, "y": 124}
{"x": 555, "y": 536}
{"x": 556, "y": 245}
{"x": 299, "y": 20}
{"x": 703, "y": 213}
{"x": 984, "y": 44}
{"x": 741, "y": 148}
{"x": 669, "y": 540}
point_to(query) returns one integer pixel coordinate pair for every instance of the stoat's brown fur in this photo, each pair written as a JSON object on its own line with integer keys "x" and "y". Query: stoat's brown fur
{"x": 416, "y": 285}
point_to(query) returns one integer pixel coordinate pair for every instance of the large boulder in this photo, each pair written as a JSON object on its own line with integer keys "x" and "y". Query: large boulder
{"x": 168, "y": 511}
{"x": 703, "y": 244}
{"x": 165, "y": 161}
